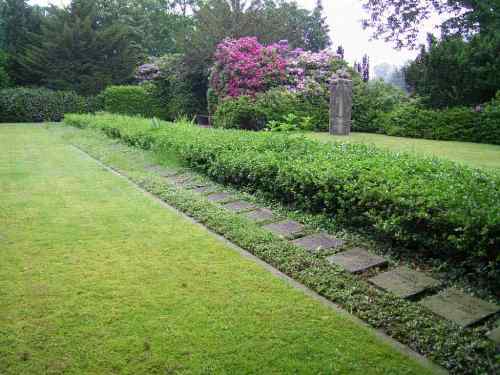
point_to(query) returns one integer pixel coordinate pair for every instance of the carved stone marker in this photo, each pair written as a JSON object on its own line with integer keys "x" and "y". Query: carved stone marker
{"x": 404, "y": 282}
{"x": 260, "y": 215}
{"x": 287, "y": 229}
{"x": 341, "y": 103}
{"x": 317, "y": 242}
{"x": 460, "y": 308}
{"x": 357, "y": 260}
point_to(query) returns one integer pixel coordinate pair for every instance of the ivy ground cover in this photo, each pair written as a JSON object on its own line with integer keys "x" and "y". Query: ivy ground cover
{"x": 96, "y": 277}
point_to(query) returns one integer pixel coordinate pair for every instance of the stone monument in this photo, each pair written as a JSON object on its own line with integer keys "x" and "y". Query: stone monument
{"x": 341, "y": 103}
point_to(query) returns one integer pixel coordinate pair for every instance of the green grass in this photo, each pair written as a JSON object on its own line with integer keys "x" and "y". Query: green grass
{"x": 472, "y": 154}
{"x": 98, "y": 278}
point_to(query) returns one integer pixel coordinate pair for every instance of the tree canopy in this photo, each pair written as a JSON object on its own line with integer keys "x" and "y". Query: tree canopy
{"x": 400, "y": 21}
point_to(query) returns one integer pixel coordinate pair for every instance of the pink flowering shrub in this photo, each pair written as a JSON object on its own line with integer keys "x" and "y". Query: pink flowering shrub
{"x": 245, "y": 67}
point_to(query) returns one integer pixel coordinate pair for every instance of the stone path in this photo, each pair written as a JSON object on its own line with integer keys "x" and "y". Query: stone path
{"x": 403, "y": 282}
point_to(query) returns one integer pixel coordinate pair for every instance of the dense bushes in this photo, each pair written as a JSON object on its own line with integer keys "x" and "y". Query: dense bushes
{"x": 4, "y": 76}
{"x": 37, "y": 105}
{"x": 178, "y": 90}
{"x": 372, "y": 99}
{"x": 131, "y": 100}
{"x": 444, "y": 208}
{"x": 454, "y": 124}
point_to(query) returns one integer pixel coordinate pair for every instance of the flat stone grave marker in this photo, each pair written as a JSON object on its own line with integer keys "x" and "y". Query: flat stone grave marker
{"x": 495, "y": 336}
{"x": 260, "y": 215}
{"x": 357, "y": 260}
{"x": 204, "y": 189}
{"x": 221, "y": 197}
{"x": 460, "y": 308}
{"x": 164, "y": 172}
{"x": 317, "y": 242}
{"x": 287, "y": 228}
{"x": 179, "y": 180}
{"x": 404, "y": 282}
{"x": 239, "y": 206}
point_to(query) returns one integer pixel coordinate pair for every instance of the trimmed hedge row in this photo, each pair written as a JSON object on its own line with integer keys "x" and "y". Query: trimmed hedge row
{"x": 452, "y": 124}
{"x": 38, "y": 105}
{"x": 440, "y": 207}
{"x": 131, "y": 101}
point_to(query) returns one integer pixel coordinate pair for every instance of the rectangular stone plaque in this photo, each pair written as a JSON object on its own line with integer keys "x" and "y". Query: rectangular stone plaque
{"x": 180, "y": 180}
{"x": 220, "y": 197}
{"x": 459, "y": 307}
{"x": 357, "y": 260}
{"x": 404, "y": 282}
{"x": 260, "y": 215}
{"x": 495, "y": 336}
{"x": 287, "y": 229}
{"x": 317, "y": 242}
{"x": 204, "y": 189}
{"x": 164, "y": 172}
{"x": 239, "y": 206}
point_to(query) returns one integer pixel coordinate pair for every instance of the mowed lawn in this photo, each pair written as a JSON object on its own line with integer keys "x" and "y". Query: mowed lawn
{"x": 472, "y": 154}
{"x": 98, "y": 278}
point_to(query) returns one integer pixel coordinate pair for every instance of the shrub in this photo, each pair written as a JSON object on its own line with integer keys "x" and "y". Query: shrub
{"x": 37, "y": 105}
{"x": 440, "y": 207}
{"x": 130, "y": 100}
{"x": 370, "y": 100}
{"x": 451, "y": 124}
{"x": 178, "y": 90}
{"x": 4, "y": 76}
{"x": 239, "y": 113}
{"x": 272, "y": 106}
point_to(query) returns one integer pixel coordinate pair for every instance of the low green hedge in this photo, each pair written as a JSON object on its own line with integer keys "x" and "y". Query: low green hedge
{"x": 434, "y": 206}
{"x": 131, "y": 101}
{"x": 451, "y": 124}
{"x": 38, "y": 105}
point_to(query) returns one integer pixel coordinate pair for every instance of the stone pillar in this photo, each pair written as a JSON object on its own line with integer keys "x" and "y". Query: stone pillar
{"x": 341, "y": 104}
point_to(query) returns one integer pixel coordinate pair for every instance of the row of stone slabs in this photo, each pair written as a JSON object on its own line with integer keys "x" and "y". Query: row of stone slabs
{"x": 402, "y": 282}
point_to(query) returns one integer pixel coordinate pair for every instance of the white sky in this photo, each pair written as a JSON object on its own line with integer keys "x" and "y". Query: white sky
{"x": 344, "y": 18}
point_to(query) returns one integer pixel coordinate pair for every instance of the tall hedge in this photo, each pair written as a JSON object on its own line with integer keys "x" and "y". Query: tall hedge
{"x": 451, "y": 124}
{"x": 37, "y": 105}
{"x": 131, "y": 100}
{"x": 433, "y": 206}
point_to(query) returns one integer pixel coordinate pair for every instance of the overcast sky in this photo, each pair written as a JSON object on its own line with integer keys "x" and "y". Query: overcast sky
{"x": 344, "y": 18}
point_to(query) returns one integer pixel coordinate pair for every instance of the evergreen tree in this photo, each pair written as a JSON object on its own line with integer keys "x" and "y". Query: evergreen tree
{"x": 20, "y": 25}
{"x": 76, "y": 52}
{"x": 317, "y": 37}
